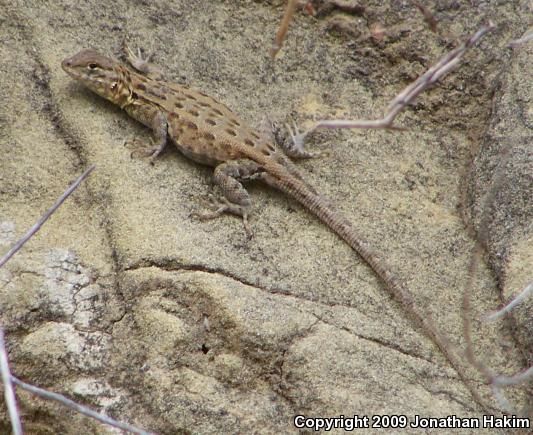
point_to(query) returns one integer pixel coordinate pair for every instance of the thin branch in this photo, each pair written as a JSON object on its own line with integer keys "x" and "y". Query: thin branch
{"x": 429, "y": 18}
{"x": 504, "y": 404}
{"x": 9, "y": 394}
{"x": 466, "y": 314}
{"x": 521, "y": 40}
{"x": 8, "y": 379}
{"x": 404, "y": 98}
{"x": 283, "y": 27}
{"x": 514, "y": 380}
{"x": 482, "y": 240}
{"x": 44, "y": 217}
{"x": 76, "y": 406}
{"x": 514, "y": 302}
{"x": 496, "y": 381}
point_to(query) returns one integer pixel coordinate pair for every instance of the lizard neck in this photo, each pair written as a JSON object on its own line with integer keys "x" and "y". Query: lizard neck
{"x": 126, "y": 90}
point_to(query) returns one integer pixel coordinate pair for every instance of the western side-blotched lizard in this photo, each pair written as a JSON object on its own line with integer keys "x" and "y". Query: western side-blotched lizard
{"x": 206, "y": 131}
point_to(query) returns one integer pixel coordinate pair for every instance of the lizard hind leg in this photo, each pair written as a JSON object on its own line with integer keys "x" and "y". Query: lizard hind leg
{"x": 140, "y": 64}
{"x": 236, "y": 200}
{"x": 294, "y": 146}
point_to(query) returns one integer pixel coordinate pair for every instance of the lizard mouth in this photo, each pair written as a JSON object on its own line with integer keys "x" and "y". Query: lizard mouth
{"x": 67, "y": 66}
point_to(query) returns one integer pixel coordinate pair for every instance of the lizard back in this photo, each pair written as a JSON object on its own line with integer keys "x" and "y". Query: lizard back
{"x": 202, "y": 128}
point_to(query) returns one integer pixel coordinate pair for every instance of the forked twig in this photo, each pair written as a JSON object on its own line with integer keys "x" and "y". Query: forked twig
{"x": 475, "y": 258}
{"x": 9, "y": 394}
{"x": 495, "y": 381}
{"x": 283, "y": 27}
{"x": 521, "y": 40}
{"x": 76, "y": 406}
{"x": 528, "y": 290}
{"x": 404, "y": 98}
{"x": 45, "y": 217}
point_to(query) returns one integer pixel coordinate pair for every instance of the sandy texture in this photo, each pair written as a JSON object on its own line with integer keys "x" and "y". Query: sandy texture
{"x": 126, "y": 303}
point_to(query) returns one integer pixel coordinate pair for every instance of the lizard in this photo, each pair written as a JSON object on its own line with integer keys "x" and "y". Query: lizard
{"x": 208, "y": 132}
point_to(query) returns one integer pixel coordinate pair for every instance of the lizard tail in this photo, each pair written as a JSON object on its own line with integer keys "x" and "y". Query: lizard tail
{"x": 321, "y": 208}
{"x": 280, "y": 179}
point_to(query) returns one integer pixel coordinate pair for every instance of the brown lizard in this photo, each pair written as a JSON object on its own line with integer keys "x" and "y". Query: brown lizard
{"x": 208, "y": 132}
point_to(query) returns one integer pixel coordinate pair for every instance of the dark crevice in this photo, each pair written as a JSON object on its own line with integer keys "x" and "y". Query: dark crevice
{"x": 170, "y": 265}
{"x": 383, "y": 343}
{"x": 50, "y": 109}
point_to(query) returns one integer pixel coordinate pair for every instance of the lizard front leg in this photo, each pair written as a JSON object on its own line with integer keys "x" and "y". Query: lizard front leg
{"x": 228, "y": 176}
{"x": 157, "y": 121}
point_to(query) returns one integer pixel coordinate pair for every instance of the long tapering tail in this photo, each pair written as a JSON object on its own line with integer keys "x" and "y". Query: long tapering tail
{"x": 298, "y": 189}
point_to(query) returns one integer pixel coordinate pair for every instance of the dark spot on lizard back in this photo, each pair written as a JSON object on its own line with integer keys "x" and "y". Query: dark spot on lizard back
{"x": 231, "y": 132}
{"x": 209, "y": 136}
{"x": 156, "y": 92}
{"x": 193, "y": 112}
{"x": 249, "y": 142}
{"x": 192, "y": 125}
{"x": 191, "y": 97}
{"x": 255, "y": 135}
{"x": 210, "y": 121}
{"x": 204, "y": 104}
{"x": 218, "y": 112}
{"x": 141, "y": 86}
{"x": 234, "y": 123}
{"x": 178, "y": 105}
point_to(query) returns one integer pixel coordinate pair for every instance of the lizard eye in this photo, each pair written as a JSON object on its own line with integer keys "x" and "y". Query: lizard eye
{"x": 92, "y": 66}
{"x": 114, "y": 86}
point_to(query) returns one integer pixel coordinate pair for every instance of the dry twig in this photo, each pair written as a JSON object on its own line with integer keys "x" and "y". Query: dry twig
{"x": 429, "y": 18}
{"x": 45, "y": 217}
{"x": 528, "y": 290}
{"x": 9, "y": 379}
{"x": 521, "y": 40}
{"x": 9, "y": 394}
{"x": 404, "y": 98}
{"x": 4, "y": 361}
{"x": 283, "y": 27}
{"x": 76, "y": 406}
{"x": 495, "y": 381}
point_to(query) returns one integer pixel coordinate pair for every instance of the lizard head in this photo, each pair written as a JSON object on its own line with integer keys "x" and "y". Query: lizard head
{"x": 99, "y": 73}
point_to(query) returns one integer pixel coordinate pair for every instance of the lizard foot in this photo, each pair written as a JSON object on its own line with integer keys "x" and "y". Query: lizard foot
{"x": 141, "y": 64}
{"x": 223, "y": 205}
{"x": 140, "y": 149}
{"x": 295, "y": 147}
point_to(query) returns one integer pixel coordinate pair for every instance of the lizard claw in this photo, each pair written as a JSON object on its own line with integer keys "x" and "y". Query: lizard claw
{"x": 223, "y": 205}
{"x": 296, "y": 149}
{"x": 141, "y": 150}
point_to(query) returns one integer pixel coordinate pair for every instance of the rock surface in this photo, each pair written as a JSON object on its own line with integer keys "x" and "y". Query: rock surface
{"x": 125, "y": 303}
